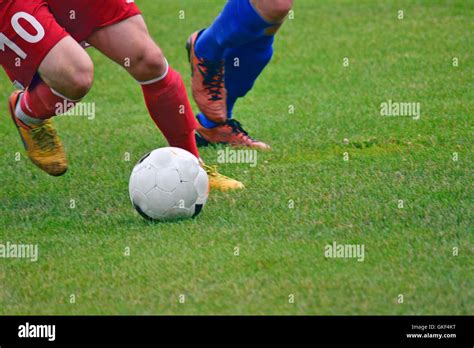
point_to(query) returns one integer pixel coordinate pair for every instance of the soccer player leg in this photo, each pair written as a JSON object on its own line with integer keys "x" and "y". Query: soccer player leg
{"x": 129, "y": 44}
{"x": 246, "y": 62}
{"x": 237, "y": 24}
{"x": 65, "y": 76}
{"x": 29, "y": 38}
{"x": 243, "y": 65}
{"x": 273, "y": 11}
{"x": 241, "y": 23}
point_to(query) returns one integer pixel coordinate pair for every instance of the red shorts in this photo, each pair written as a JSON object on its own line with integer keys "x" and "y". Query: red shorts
{"x": 82, "y": 17}
{"x": 29, "y": 29}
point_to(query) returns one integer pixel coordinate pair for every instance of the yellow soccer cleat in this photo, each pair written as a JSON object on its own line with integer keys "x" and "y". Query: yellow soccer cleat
{"x": 42, "y": 143}
{"x": 221, "y": 182}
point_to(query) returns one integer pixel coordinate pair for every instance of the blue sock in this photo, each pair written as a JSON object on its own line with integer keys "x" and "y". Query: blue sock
{"x": 252, "y": 57}
{"x": 205, "y": 122}
{"x": 237, "y": 24}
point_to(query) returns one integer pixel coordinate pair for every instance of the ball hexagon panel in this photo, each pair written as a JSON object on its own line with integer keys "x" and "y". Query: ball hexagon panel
{"x": 144, "y": 179}
{"x": 188, "y": 170}
{"x": 167, "y": 179}
{"x": 185, "y": 195}
{"x": 159, "y": 202}
{"x": 160, "y": 158}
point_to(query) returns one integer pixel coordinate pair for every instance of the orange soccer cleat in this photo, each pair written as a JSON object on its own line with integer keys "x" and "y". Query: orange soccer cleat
{"x": 230, "y": 133}
{"x": 208, "y": 85}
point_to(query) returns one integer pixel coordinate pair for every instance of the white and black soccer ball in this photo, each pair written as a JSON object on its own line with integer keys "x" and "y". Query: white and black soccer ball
{"x": 168, "y": 184}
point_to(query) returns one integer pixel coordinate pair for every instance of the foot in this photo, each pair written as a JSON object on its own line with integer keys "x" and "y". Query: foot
{"x": 41, "y": 142}
{"x": 221, "y": 182}
{"x": 230, "y": 133}
{"x": 207, "y": 83}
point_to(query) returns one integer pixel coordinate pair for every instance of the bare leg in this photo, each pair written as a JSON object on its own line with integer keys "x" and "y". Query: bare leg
{"x": 68, "y": 69}
{"x": 129, "y": 44}
{"x": 66, "y": 76}
{"x": 273, "y": 11}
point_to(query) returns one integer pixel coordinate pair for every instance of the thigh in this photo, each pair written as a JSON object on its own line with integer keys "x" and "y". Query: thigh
{"x": 129, "y": 44}
{"x": 121, "y": 41}
{"x": 66, "y": 67}
{"x": 28, "y": 32}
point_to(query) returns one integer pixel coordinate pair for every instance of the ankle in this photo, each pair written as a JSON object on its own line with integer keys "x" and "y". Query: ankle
{"x": 207, "y": 123}
{"x": 23, "y": 117}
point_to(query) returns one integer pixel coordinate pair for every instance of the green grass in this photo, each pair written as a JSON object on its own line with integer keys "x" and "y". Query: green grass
{"x": 409, "y": 251}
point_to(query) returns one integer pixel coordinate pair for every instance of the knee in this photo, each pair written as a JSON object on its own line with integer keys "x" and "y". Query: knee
{"x": 280, "y": 9}
{"x": 150, "y": 63}
{"x": 276, "y": 10}
{"x": 80, "y": 79}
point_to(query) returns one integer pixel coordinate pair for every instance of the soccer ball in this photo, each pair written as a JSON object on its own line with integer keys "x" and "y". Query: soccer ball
{"x": 168, "y": 184}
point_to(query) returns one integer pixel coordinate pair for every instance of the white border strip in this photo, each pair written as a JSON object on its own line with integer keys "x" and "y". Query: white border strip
{"x": 144, "y": 83}
{"x": 56, "y": 93}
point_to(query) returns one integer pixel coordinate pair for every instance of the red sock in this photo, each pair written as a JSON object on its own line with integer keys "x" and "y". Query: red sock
{"x": 40, "y": 101}
{"x": 168, "y": 105}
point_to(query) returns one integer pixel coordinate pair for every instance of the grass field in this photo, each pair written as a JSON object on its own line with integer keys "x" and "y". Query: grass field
{"x": 426, "y": 163}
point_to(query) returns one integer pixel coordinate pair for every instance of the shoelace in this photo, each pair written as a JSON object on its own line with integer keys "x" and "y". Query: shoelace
{"x": 45, "y": 137}
{"x": 213, "y": 78}
{"x": 238, "y": 129}
{"x": 212, "y": 171}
